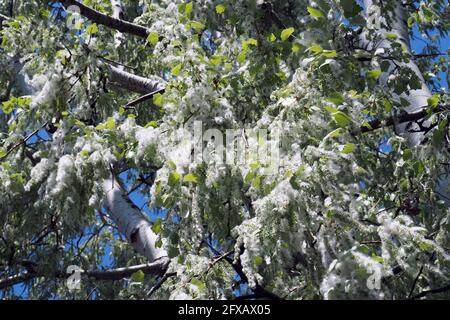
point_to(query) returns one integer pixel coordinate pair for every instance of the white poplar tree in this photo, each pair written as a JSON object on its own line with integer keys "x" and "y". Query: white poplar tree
{"x": 101, "y": 102}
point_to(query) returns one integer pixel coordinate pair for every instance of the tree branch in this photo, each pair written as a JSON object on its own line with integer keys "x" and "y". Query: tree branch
{"x": 259, "y": 291}
{"x": 21, "y": 142}
{"x": 143, "y": 98}
{"x": 13, "y": 280}
{"x": 105, "y": 20}
{"x": 132, "y": 82}
{"x": 432, "y": 291}
{"x": 160, "y": 283}
{"x": 3, "y": 17}
{"x": 158, "y": 267}
{"x": 402, "y": 118}
{"x": 131, "y": 221}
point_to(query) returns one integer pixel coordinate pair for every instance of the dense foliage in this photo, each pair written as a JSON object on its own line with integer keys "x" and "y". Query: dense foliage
{"x": 352, "y": 210}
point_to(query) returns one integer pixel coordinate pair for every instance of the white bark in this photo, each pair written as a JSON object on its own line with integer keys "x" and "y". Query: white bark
{"x": 118, "y": 14}
{"x": 155, "y": 268}
{"x": 131, "y": 221}
{"x": 417, "y": 98}
{"x": 131, "y": 82}
{"x": 106, "y": 20}
{"x": 117, "y": 9}
{"x": 128, "y": 218}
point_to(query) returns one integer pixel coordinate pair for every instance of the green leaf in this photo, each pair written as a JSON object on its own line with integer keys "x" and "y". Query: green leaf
{"x": 251, "y": 41}
{"x": 256, "y": 183}
{"x": 215, "y": 60}
{"x": 153, "y": 37}
{"x": 173, "y": 252}
{"x": 391, "y": 36}
{"x": 348, "y": 148}
{"x": 329, "y": 53}
{"x": 199, "y": 284}
{"x": 138, "y": 276}
{"x": 373, "y": 74}
{"x": 92, "y": 29}
{"x": 152, "y": 124}
{"x": 433, "y": 101}
{"x": 6, "y": 165}
{"x": 158, "y": 100}
{"x": 439, "y": 134}
{"x": 255, "y": 165}
{"x": 197, "y": 26}
{"x": 182, "y": 7}
{"x": 176, "y": 70}
{"x": 4, "y": 41}
{"x": 78, "y": 25}
{"x": 363, "y": 248}
{"x": 425, "y": 246}
{"x": 286, "y": 33}
{"x": 7, "y": 107}
{"x": 334, "y": 134}
{"x": 171, "y": 165}
{"x": 272, "y": 37}
{"x": 336, "y": 98}
{"x": 316, "y": 13}
{"x": 110, "y": 123}
{"x": 220, "y": 8}
{"x": 190, "y": 177}
{"x": 342, "y": 119}
{"x": 241, "y": 57}
{"x": 249, "y": 176}
{"x": 258, "y": 260}
{"x": 188, "y": 8}
{"x": 157, "y": 226}
{"x": 415, "y": 83}
{"x": 296, "y": 47}
{"x": 418, "y": 167}
{"x": 84, "y": 153}
{"x": 330, "y": 109}
{"x": 2, "y": 153}
{"x": 281, "y": 75}
{"x": 407, "y": 154}
{"x": 174, "y": 178}
{"x": 387, "y": 105}
{"x": 315, "y": 49}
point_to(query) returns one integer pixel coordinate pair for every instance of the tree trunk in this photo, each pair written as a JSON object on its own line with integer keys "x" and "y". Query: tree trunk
{"x": 128, "y": 218}
{"x": 417, "y": 98}
{"x": 117, "y": 10}
{"x": 131, "y": 221}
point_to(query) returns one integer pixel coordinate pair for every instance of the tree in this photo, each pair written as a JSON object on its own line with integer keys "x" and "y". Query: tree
{"x": 288, "y": 149}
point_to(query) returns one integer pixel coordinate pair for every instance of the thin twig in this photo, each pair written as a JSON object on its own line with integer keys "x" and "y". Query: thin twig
{"x": 24, "y": 140}
{"x": 431, "y": 291}
{"x": 415, "y": 282}
{"x": 161, "y": 282}
{"x": 146, "y": 97}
